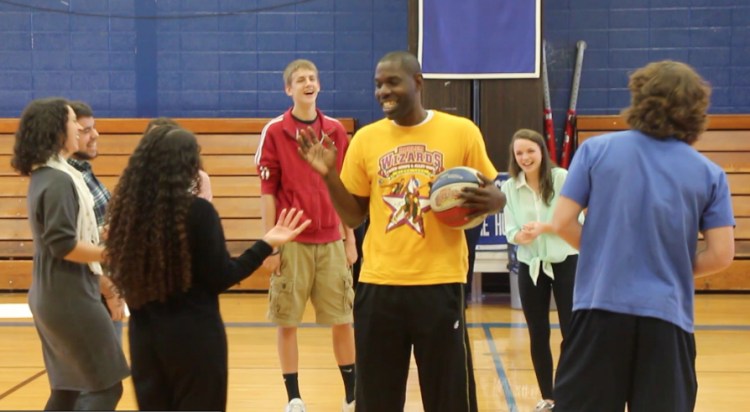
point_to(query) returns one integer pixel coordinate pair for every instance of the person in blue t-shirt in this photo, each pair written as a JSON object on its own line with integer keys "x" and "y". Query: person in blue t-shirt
{"x": 648, "y": 194}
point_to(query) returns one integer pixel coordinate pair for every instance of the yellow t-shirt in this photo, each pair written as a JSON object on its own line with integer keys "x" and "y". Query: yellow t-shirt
{"x": 393, "y": 166}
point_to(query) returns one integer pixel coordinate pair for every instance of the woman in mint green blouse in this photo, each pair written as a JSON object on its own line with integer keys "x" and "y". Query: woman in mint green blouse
{"x": 547, "y": 264}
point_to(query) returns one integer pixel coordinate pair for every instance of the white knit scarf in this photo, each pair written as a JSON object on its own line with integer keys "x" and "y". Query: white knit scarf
{"x": 86, "y": 228}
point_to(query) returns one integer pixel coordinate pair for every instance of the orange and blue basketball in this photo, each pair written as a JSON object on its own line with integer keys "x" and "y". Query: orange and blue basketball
{"x": 445, "y": 197}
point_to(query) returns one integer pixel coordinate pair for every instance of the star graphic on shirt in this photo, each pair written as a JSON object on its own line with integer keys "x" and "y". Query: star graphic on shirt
{"x": 401, "y": 216}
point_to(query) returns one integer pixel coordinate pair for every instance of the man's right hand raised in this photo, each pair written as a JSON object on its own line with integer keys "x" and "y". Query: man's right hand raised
{"x": 311, "y": 149}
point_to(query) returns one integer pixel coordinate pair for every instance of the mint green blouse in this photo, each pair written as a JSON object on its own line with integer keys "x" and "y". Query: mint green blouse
{"x": 523, "y": 205}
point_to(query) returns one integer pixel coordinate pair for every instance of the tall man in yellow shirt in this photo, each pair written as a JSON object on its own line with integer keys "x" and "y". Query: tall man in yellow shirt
{"x": 410, "y": 291}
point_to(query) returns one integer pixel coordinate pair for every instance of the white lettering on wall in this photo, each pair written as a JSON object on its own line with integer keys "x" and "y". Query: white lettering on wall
{"x": 484, "y": 232}
{"x": 499, "y": 225}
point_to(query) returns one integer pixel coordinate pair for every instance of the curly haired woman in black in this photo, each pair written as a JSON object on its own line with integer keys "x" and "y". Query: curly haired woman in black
{"x": 167, "y": 251}
{"x": 81, "y": 350}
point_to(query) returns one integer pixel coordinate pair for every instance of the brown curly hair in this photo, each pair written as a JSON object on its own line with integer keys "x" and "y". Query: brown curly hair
{"x": 147, "y": 249}
{"x": 546, "y": 185}
{"x": 41, "y": 133}
{"x": 166, "y": 121}
{"x": 668, "y": 99}
{"x": 158, "y": 122}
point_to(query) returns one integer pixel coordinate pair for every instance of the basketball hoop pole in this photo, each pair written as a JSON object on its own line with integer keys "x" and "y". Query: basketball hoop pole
{"x": 476, "y": 283}
{"x": 475, "y": 102}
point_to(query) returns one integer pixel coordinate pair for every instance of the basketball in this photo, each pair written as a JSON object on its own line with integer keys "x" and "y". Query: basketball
{"x": 446, "y": 201}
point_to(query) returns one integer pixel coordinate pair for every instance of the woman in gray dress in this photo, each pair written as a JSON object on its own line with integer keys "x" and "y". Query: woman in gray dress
{"x": 80, "y": 348}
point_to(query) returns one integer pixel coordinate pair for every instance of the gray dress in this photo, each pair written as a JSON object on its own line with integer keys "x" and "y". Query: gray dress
{"x": 81, "y": 350}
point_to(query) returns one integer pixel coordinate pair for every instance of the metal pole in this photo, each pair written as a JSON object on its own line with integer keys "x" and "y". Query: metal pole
{"x": 476, "y": 284}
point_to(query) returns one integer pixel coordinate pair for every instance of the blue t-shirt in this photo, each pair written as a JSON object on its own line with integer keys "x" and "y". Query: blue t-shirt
{"x": 647, "y": 199}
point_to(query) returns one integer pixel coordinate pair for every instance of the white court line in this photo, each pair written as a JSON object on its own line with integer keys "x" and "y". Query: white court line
{"x": 22, "y": 311}
{"x": 15, "y": 311}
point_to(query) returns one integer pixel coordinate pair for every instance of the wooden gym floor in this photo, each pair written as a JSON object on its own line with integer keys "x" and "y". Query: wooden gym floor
{"x": 505, "y": 378}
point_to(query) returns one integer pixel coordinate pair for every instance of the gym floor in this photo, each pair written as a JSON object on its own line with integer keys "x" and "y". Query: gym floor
{"x": 503, "y": 370}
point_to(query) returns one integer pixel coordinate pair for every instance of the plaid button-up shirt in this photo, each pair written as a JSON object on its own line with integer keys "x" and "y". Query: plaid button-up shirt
{"x": 98, "y": 190}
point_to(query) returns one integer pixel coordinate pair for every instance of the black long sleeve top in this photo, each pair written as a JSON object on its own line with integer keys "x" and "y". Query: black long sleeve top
{"x": 213, "y": 269}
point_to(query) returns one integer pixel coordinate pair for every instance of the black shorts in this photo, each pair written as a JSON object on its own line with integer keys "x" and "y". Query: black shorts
{"x": 388, "y": 320}
{"x": 612, "y": 359}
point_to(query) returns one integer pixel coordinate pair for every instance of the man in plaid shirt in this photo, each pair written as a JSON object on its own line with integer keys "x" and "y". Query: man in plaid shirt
{"x": 87, "y": 150}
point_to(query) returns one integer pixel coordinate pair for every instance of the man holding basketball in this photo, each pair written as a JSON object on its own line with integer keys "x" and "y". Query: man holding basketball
{"x": 410, "y": 291}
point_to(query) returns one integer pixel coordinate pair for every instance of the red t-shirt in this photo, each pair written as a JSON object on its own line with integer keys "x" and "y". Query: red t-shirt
{"x": 284, "y": 174}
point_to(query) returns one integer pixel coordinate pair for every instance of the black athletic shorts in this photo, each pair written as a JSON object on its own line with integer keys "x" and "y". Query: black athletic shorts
{"x": 388, "y": 321}
{"x": 612, "y": 359}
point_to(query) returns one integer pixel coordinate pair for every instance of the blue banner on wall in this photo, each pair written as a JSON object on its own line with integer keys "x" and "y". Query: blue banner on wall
{"x": 480, "y": 39}
{"x": 492, "y": 237}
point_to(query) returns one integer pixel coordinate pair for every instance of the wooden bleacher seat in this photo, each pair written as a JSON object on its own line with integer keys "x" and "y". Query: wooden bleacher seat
{"x": 227, "y": 148}
{"x": 726, "y": 142}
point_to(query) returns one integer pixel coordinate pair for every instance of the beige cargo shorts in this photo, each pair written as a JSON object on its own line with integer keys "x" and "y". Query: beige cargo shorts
{"x": 318, "y": 272}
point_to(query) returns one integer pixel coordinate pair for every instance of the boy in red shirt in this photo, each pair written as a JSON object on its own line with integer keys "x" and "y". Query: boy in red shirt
{"x": 317, "y": 265}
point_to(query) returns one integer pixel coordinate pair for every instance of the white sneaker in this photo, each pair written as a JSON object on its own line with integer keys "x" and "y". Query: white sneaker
{"x": 543, "y": 406}
{"x": 295, "y": 405}
{"x": 348, "y": 407}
